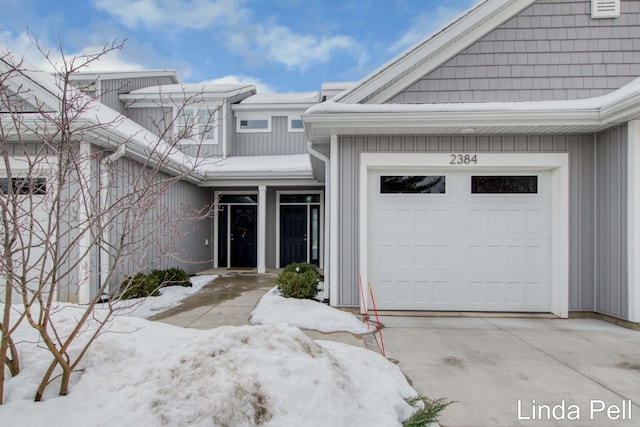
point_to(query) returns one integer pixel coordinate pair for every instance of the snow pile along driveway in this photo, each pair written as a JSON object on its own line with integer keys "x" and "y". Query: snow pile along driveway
{"x": 274, "y": 309}
{"x": 150, "y": 374}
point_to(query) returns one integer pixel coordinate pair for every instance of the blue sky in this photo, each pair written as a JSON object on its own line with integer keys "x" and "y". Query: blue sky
{"x": 281, "y": 45}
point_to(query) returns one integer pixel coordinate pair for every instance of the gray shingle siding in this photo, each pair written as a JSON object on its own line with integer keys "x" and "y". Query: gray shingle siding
{"x": 552, "y": 50}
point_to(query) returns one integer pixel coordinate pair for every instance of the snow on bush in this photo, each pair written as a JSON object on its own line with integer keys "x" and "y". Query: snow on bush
{"x": 150, "y": 374}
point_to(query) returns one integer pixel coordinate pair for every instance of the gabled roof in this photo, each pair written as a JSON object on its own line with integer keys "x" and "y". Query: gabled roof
{"x": 404, "y": 70}
{"x": 195, "y": 92}
{"x": 107, "y": 128}
{"x": 278, "y": 102}
{"x": 108, "y": 75}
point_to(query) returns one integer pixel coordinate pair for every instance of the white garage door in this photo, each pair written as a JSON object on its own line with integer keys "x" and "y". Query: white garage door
{"x": 462, "y": 240}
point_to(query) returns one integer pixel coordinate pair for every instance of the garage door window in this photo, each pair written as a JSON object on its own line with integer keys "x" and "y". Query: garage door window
{"x": 504, "y": 184}
{"x": 412, "y": 184}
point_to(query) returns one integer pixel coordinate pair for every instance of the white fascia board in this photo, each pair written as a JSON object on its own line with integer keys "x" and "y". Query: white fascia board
{"x": 434, "y": 51}
{"x": 272, "y": 109}
{"x": 454, "y": 120}
{"x": 255, "y": 182}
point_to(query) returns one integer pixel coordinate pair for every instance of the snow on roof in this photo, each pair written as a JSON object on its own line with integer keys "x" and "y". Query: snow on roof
{"x": 283, "y": 98}
{"x": 191, "y": 88}
{"x": 632, "y": 89}
{"x": 298, "y": 164}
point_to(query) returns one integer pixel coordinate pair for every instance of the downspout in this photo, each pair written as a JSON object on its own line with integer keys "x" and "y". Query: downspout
{"x": 105, "y": 184}
{"x": 327, "y": 179}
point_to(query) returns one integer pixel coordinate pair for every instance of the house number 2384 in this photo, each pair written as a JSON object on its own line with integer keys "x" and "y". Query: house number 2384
{"x": 463, "y": 159}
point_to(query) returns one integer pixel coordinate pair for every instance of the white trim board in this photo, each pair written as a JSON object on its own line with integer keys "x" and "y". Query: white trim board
{"x": 557, "y": 163}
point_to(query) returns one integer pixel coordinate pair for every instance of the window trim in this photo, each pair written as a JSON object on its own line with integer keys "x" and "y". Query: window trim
{"x": 196, "y": 108}
{"x": 261, "y": 130}
{"x": 290, "y": 120}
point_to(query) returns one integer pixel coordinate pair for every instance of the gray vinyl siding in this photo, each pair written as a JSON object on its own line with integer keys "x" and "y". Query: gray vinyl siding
{"x": 552, "y": 50}
{"x": 611, "y": 223}
{"x": 163, "y": 240}
{"x": 277, "y": 142}
{"x": 159, "y": 120}
{"x": 110, "y": 89}
{"x": 581, "y": 233}
{"x": 156, "y": 120}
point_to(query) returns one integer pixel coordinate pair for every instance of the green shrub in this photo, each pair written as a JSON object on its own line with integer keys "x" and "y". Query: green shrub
{"x": 137, "y": 286}
{"x": 299, "y": 281}
{"x": 169, "y": 277}
{"x": 303, "y": 267}
{"x": 426, "y": 415}
{"x": 141, "y": 285}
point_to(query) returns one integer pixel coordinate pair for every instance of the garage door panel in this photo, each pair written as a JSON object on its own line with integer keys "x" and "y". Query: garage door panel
{"x": 458, "y": 251}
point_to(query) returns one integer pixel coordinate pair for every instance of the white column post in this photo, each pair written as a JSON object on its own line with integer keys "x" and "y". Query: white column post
{"x": 633, "y": 219}
{"x": 333, "y": 221}
{"x": 85, "y": 293}
{"x": 262, "y": 228}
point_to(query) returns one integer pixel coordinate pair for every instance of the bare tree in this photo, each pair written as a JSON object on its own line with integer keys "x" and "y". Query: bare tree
{"x": 82, "y": 202}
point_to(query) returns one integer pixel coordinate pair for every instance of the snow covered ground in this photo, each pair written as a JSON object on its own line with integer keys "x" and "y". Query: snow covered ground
{"x": 274, "y": 309}
{"x": 169, "y": 298}
{"x": 142, "y": 373}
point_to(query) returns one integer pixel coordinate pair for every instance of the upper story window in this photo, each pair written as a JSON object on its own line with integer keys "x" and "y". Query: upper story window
{"x": 197, "y": 125}
{"x": 261, "y": 124}
{"x": 605, "y": 8}
{"x": 295, "y": 124}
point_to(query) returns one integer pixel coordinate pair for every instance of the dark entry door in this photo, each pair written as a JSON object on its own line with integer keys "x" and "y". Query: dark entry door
{"x": 243, "y": 235}
{"x": 293, "y": 234}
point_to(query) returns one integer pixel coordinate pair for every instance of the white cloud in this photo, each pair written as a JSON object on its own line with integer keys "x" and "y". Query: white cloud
{"x": 23, "y": 46}
{"x": 240, "y": 79}
{"x": 246, "y": 36}
{"x": 278, "y": 44}
{"x": 427, "y": 23}
{"x": 170, "y": 15}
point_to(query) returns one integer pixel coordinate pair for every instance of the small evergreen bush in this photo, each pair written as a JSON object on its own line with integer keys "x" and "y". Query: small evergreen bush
{"x": 137, "y": 286}
{"x": 426, "y": 415}
{"x": 140, "y": 285}
{"x": 168, "y": 277}
{"x": 299, "y": 281}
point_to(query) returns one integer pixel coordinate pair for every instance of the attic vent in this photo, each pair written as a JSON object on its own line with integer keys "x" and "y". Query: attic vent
{"x": 605, "y": 8}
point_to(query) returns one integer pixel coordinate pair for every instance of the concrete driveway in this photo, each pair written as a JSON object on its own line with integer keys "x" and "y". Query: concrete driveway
{"x": 532, "y": 372}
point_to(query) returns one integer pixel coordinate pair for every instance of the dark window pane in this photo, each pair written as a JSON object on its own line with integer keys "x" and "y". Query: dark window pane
{"x": 238, "y": 198}
{"x": 299, "y": 198}
{"x": 412, "y": 184}
{"x": 504, "y": 184}
{"x": 296, "y": 124}
{"x": 254, "y": 124}
{"x": 25, "y": 186}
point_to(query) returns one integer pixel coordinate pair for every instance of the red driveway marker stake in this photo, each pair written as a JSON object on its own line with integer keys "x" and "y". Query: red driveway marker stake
{"x": 373, "y": 301}
{"x": 364, "y": 305}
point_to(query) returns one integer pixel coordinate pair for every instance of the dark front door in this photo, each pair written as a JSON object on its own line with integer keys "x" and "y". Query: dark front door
{"x": 293, "y": 234}
{"x": 243, "y": 235}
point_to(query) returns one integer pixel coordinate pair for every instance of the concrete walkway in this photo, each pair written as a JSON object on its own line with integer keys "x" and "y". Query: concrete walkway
{"x": 229, "y": 301}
